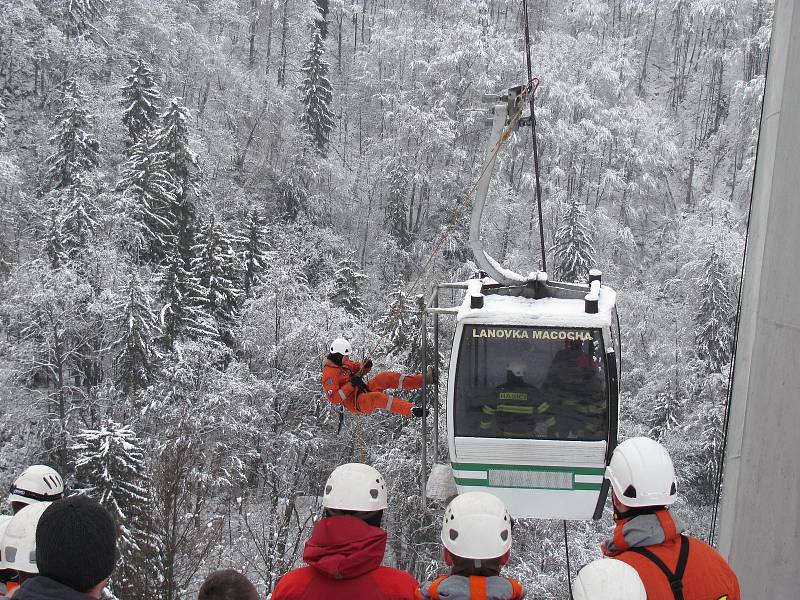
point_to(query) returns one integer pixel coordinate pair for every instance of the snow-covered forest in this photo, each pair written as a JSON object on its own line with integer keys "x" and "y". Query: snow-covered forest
{"x": 198, "y": 195}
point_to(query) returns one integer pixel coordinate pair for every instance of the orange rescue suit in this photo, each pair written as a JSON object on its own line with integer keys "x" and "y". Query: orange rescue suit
{"x": 339, "y": 390}
{"x": 706, "y": 577}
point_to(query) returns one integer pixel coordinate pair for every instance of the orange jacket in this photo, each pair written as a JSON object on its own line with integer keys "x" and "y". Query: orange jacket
{"x": 707, "y": 576}
{"x": 336, "y": 381}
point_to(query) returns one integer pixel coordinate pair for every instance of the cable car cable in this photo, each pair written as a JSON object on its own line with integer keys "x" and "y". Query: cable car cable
{"x": 729, "y": 394}
{"x": 538, "y": 186}
{"x": 566, "y": 551}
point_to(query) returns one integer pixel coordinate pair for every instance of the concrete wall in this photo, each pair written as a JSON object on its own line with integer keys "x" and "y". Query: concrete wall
{"x": 760, "y": 515}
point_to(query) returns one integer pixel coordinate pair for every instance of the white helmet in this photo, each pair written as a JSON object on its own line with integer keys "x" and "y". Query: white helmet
{"x": 357, "y": 487}
{"x": 642, "y": 474}
{"x": 341, "y": 346}
{"x": 38, "y": 483}
{"x": 608, "y": 579}
{"x": 19, "y": 539}
{"x": 4, "y": 521}
{"x": 517, "y": 367}
{"x": 477, "y": 526}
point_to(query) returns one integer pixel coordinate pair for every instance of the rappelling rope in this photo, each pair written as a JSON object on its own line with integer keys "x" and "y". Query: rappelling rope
{"x": 395, "y": 315}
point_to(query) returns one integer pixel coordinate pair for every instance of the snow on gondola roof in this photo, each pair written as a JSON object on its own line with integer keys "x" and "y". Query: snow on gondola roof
{"x": 551, "y": 312}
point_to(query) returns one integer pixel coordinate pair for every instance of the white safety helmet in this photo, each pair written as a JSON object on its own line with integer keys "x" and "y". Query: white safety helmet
{"x": 518, "y": 368}
{"x": 37, "y": 483}
{"x": 341, "y": 346}
{"x": 19, "y": 539}
{"x": 641, "y": 474}
{"x": 608, "y": 579}
{"x": 356, "y": 487}
{"x": 4, "y": 521}
{"x": 477, "y": 526}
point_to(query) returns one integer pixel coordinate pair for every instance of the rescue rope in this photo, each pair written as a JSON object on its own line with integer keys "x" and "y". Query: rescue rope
{"x": 395, "y": 315}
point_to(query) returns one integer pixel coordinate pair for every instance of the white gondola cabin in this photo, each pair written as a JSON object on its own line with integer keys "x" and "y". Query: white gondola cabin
{"x": 532, "y": 397}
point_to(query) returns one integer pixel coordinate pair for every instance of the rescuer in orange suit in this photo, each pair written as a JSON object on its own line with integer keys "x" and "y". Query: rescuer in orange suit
{"x": 343, "y": 382}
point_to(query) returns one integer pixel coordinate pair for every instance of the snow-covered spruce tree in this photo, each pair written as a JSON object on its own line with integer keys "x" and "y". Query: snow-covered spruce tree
{"x": 323, "y": 6}
{"x": 573, "y": 246}
{"x": 141, "y": 100}
{"x": 78, "y": 216}
{"x": 396, "y": 213}
{"x": 216, "y": 269}
{"x": 405, "y": 333}
{"x": 136, "y": 356}
{"x": 172, "y": 138}
{"x": 317, "y": 94}
{"x": 76, "y": 150}
{"x": 54, "y": 242}
{"x": 714, "y": 319}
{"x": 148, "y": 201}
{"x": 254, "y": 247}
{"x": 346, "y": 281}
{"x": 3, "y": 122}
{"x": 292, "y": 199}
{"x": 110, "y": 467}
{"x": 181, "y": 300}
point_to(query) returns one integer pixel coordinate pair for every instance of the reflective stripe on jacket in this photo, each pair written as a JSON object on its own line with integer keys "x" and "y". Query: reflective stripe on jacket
{"x": 460, "y": 587}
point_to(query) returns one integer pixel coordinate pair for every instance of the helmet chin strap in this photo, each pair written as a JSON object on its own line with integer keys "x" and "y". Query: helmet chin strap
{"x": 631, "y": 512}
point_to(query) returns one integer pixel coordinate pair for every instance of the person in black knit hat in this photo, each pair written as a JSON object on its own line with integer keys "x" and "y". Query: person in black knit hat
{"x": 76, "y": 550}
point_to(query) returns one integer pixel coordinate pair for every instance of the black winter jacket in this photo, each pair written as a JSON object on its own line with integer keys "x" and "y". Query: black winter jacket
{"x": 44, "y": 588}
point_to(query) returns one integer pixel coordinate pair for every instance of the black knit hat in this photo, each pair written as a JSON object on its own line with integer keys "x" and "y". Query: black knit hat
{"x": 76, "y": 543}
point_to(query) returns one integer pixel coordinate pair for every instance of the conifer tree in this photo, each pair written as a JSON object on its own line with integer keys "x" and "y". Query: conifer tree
{"x": 141, "y": 99}
{"x": 317, "y": 94}
{"x": 715, "y": 315}
{"x": 292, "y": 199}
{"x": 182, "y": 299}
{"x": 254, "y": 247}
{"x": 76, "y": 150}
{"x": 215, "y": 267}
{"x": 395, "y": 219}
{"x": 136, "y": 355}
{"x": 3, "y": 122}
{"x": 110, "y": 467}
{"x": 148, "y": 200}
{"x": 54, "y": 244}
{"x": 405, "y": 336}
{"x": 172, "y": 139}
{"x": 78, "y": 216}
{"x": 574, "y": 244}
{"x": 346, "y": 281}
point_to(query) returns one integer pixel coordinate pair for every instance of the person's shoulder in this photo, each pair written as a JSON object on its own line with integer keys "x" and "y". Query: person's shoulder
{"x": 396, "y": 583}
{"x": 292, "y": 583}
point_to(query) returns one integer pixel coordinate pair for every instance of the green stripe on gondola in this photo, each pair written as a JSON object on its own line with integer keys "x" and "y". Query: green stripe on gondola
{"x": 591, "y": 487}
{"x": 486, "y": 467}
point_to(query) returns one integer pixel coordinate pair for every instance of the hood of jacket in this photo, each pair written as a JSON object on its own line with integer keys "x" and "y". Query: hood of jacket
{"x": 44, "y": 588}
{"x": 345, "y": 547}
{"x": 640, "y": 531}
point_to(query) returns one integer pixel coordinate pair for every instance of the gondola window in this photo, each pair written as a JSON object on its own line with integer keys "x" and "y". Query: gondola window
{"x": 531, "y": 383}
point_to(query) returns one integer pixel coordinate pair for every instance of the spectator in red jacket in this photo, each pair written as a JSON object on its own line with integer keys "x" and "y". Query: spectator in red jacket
{"x": 346, "y": 548}
{"x": 344, "y": 383}
{"x": 671, "y": 564}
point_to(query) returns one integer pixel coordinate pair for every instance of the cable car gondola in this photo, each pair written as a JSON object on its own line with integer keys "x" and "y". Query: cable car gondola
{"x": 533, "y": 385}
